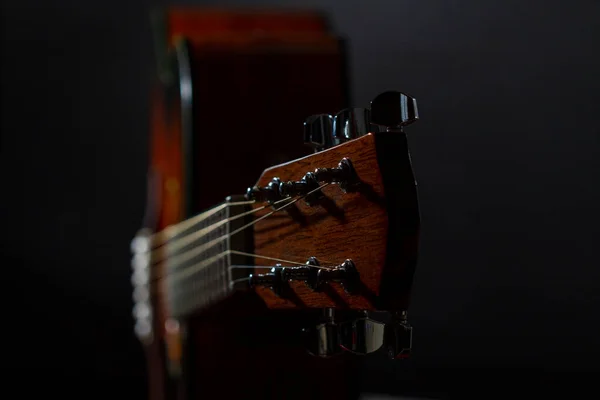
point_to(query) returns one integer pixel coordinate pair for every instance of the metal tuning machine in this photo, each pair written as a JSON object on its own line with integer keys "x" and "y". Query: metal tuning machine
{"x": 363, "y": 334}
{"x": 393, "y": 110}
{"x": 359, "y": 333}
{"x": 352, "y": 123}
{"x": 268, "y": 194}
{"x": 343, "y": 175}
{"x": 390, "y": 110}
{"x": 323, "y": 340}
{"x": 398, "y": 336}
{"x": 322, "y": 131}
{"x": 314, "y": 276}
{"x": 318, "y": 132}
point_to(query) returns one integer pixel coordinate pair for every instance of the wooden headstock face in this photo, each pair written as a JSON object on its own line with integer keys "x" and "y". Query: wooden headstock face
{"x": 375, "y": 225}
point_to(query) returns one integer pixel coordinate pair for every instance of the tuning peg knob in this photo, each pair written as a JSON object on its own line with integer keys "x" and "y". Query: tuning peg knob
{"x": 318, "y": 131}
{"x": 398, "y": 337}
{"x": 351, "y": 123}
{"x": 362, "y": 335}
{"x": 324, "y": 339}
{"x": 393, "y": 110}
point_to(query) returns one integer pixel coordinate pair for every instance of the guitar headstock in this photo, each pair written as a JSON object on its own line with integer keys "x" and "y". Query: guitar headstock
{"x": 350, "y": 210}
{"x": 343, "y": 223}
{"x": 336, "y": 230}
{"x": 343, "y": 226}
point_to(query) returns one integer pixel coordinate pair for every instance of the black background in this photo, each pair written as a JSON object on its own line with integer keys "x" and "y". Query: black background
{"x": 506, "y": 155}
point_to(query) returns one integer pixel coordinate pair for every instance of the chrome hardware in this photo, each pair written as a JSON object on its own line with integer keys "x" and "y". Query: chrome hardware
{"x": 398, "y": 337}
{"x": 269, "y": 194}
{"x": 392, "y": 110}
{"x": 277, "y": 190}
{"x": 362, "y": 335}
{"x": 346, "y": 274}
{"x": 352, "y": 123}
{"x": 278, "y": 277}
{"x": 318, "y": 131}
{"x": 323, "y": 339}
{"x": 273, "y": 280}
{"x": 343, "y": 175}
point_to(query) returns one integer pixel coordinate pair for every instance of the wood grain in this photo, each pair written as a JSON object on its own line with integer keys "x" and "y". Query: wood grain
{"x": 242, "y": 66}
{"x": 357, "y": 227}
{"x": 166, "y": 172}
{"x": 359, "y": 235}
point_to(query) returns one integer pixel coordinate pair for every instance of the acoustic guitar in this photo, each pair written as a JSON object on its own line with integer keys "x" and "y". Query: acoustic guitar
{"x": 320, "y": 242}
{"x": 271, "y": 292}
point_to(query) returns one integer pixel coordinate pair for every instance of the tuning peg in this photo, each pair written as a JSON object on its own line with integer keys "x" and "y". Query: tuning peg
{"x": 398, "y": 337}
{"x": 393, "y": 110}
{"x": 346, "y": 274}
{"x": 318, "y": 131}
{"x": 362, "y": 335}
{"x": 351, "y": 123}
{"x": 324, "y": 339}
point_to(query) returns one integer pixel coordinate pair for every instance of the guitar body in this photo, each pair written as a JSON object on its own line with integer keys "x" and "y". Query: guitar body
{"x": 233, "y": 92}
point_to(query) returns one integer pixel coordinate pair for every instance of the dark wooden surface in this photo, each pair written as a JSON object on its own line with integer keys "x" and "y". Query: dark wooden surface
{"x": 240, "y": 349}
{"x": 345, "y": 226}
{"x": 253, "y": 82}
{"x": 251, "y": 97}
{"x": 195, "y": 21}
{"x": 376, "y": 226}
{"x": 164, "y": 209}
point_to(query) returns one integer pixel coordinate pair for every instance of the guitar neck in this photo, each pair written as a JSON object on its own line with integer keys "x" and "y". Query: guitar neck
{"x": 188, "y": 265}
{"x": 196, "y": 265}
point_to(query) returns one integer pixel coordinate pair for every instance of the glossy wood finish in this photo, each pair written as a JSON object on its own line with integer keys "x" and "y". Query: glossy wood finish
{"x": 165, "y": 207}
{"x": 251, "y": 96}
{"x": 193, "y": 21}
{"x": 243, "y": 350}
{"x": 350, "y": 225}
{"x": 363, "y": 226}
{"x": 266, "y": 86}
{"x": 255, "y": 77}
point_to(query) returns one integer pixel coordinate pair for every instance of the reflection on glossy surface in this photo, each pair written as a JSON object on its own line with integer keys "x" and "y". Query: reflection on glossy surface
{"x": 323, "y": 340}
{"x": 398, "y": 338}
{"x": 352, "y": 123}
{"x": 318, "y": 131}
{"x": 362, "y": 336}
{"x": 393, "y": 110}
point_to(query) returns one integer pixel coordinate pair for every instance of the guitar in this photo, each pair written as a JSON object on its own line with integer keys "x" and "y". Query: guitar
{"x": 271, "y": 294}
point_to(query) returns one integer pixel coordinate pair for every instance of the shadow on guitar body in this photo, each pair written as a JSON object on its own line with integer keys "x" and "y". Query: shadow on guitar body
{"x": 241, "y": 350}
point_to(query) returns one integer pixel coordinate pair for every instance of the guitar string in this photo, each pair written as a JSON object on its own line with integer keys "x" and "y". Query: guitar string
{"x": 171, "y": 231}
{"x": 181, "y": 258}
{"x": 188, "y": 255}
{"x": 155, "y": 280}
{"x": 155, "y": 289}
{"x": 198, "y": 267}
{"x": 158, "y": 253}
{"x": 241, "y": 253}
{"x": 143, "y": 243}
